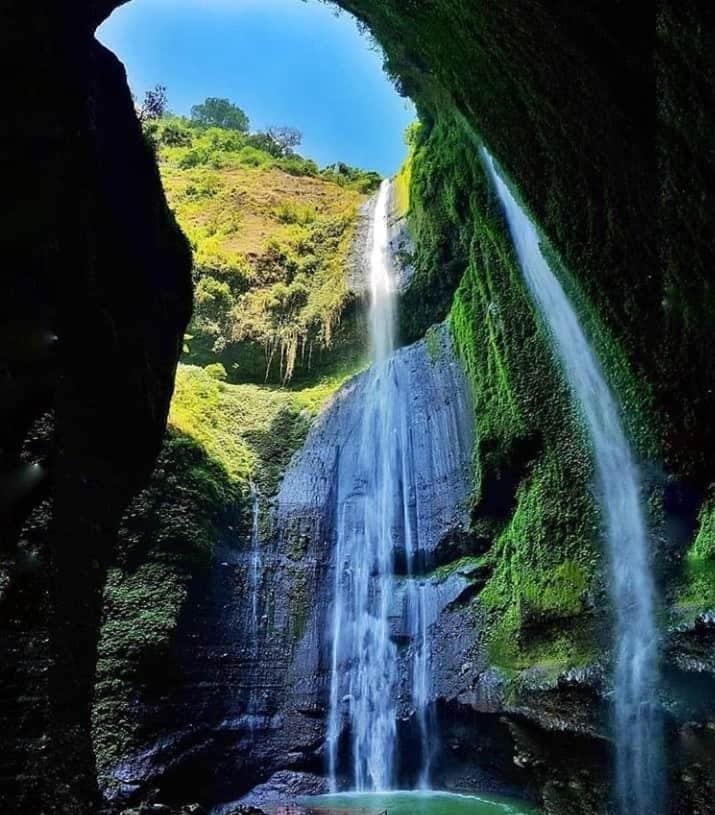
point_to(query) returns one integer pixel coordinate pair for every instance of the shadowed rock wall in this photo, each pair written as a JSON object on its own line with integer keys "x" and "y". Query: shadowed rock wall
{"x": 96, "y": 297}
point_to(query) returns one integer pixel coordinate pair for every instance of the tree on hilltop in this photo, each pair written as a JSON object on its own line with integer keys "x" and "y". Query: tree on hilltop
{"x": 215, "y": 112}
{"x": 285, "y": 138}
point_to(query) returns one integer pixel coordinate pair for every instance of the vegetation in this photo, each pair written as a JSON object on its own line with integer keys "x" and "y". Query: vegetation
{"x": 531, "y": 494}
{"x": 272, "y": 236}
{"x": 168, "y": 534}
{"x": 215, "y": 112}
{"x": 403, "y": 179}
{"x": 153, "y": 106}
{"x": 698, "y": 593}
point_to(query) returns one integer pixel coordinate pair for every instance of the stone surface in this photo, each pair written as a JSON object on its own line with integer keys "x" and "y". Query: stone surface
{"x": 281, "y": 789}
{"x": 250, "y": 703}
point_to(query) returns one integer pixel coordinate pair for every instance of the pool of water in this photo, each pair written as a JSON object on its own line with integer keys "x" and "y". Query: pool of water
{"x": 413, "y": 803}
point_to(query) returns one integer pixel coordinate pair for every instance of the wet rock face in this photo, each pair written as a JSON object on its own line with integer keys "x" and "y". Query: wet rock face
{"x": 282, "y": 787}
{"x": 254, "y": 671}
{"x": 430, "y": 387}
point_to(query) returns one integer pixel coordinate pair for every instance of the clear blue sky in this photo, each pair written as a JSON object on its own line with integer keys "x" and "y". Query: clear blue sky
{"x": 283, "y": 61}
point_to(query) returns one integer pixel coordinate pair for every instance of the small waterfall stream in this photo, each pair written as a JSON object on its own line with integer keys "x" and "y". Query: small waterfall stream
{"x": 256, "y": 564}
{"x": 255, "y": 572}
{"x": 636, "y": 721}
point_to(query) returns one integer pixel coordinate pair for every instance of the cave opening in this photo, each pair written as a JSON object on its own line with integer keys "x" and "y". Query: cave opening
{"x": 129, "y": 533}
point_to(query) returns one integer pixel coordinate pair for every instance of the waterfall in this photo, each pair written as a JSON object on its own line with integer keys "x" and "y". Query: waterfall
{"x": 376, "y": 516}
{"x": 255, "y": 573}
{"x": 256, "y": 564}
{"x": 636, "y": 721}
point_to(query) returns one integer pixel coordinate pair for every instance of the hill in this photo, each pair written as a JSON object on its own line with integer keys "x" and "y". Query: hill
{"x": 272, "y": 235}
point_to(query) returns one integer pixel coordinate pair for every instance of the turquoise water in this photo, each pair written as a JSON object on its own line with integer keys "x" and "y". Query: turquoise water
{"x": 415, "y": 803}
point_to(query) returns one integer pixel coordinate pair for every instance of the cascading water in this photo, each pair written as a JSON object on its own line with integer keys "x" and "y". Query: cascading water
{"x": 255, "y": 571}
{"x": 256, "y": 565}
{"x": 376, "y": 516}
{"x": 636, "y": 721}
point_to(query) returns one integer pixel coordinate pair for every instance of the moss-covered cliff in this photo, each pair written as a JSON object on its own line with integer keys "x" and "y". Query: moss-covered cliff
{"x": 533, "y": 518}
{"x": 226, "y": 443}
{"x": 611, "y": 158}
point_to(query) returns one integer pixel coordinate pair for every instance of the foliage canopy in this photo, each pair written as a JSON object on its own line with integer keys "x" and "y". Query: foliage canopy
{"x": 216, "y": 112}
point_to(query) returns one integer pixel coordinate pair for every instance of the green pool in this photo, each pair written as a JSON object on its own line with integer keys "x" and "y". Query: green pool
{"x": 414, "y": 803}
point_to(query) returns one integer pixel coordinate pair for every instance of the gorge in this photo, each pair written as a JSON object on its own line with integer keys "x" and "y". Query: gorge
{"x": 482, "y": 565}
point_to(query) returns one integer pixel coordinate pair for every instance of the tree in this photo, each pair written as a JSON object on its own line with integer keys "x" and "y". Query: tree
{"x": 262, "y": 141}
{"x": 286, "y": 138}
{"x": 214, "y": 112}
{"x": 213, "y": 302}
{"x": 154, "y": 104}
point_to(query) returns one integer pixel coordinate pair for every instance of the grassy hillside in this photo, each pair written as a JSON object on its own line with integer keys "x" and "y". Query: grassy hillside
{"x": 272, "y": 236}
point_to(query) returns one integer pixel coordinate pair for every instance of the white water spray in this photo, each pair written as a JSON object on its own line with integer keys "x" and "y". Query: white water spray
{"x": 636, "y": 720}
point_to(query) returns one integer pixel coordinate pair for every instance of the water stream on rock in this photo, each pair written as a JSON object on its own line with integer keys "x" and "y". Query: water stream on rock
{"x": 256, "y": 564}
{"x": 376, "y": 517}
{"x": 255, "y": 572}
{"x": 636, "y": 720}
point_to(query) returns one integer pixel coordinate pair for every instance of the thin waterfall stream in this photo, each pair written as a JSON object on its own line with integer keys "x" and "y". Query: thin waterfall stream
{"x": 255, "y": 571}
{"x": 256, "y": 564}
{"x": 636, "y": 723}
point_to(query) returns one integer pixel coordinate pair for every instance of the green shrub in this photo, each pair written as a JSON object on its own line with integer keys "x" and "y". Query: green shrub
{"x": 216, "y": 371}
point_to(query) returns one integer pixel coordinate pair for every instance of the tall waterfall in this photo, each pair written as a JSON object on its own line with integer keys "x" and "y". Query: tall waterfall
{"x": 636, "y": 721}
{"x": 376, "y": 516}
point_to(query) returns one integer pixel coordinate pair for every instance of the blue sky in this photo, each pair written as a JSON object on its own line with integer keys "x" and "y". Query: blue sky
{"x": 283, "y": 61}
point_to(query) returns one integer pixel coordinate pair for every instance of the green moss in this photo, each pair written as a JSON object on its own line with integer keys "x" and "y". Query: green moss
{"x": 698, "y": 592}
{"x": 467, "y": 566}
{"x": 441, "y": 171}
{"x": 252, "y": 431}
{"x": 167, "y": 535}
{"x": 433, "y": 343}
{"x": 543, "y": 567}
{"x": 532, "y": 496}
{"x": 402, "y": 183}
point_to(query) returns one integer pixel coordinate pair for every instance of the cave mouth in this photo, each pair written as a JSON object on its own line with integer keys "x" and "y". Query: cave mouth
{"x": 229, "y": 732}
{"x": 563, "y": 95}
